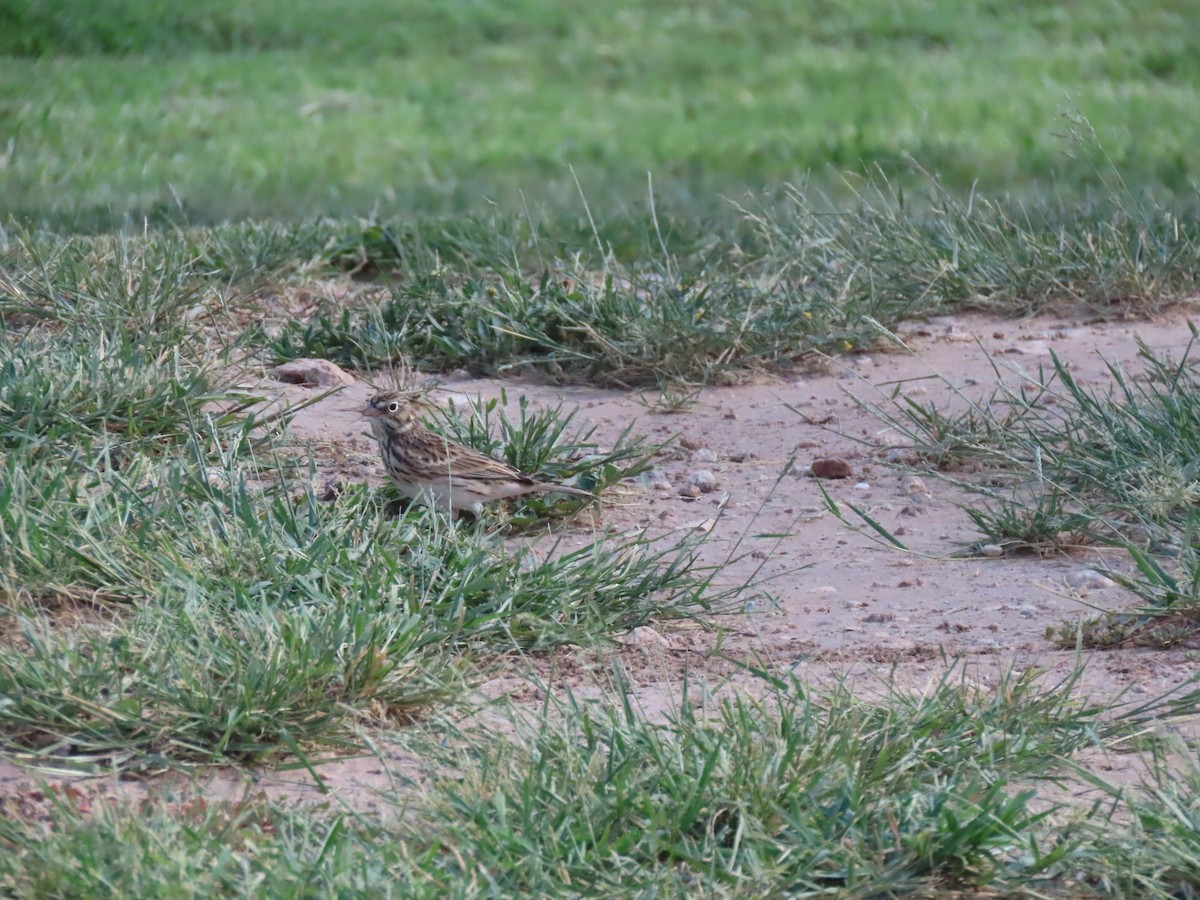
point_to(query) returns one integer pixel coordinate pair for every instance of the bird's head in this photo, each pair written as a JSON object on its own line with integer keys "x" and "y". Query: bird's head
{"x": 398, "y": 406}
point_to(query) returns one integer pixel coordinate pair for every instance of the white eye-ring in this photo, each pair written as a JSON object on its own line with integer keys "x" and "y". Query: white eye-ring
{"x": 393, "y": 406}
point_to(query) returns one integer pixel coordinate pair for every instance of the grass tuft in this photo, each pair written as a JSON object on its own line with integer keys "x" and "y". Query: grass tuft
{"x": 791, "y": 277}
{"x": 1059, "y": 465}
{"x": 795, "y": 792}
{"x": 261, "y": 618}
{"x": 546, "y": 445}
{"x": 780, "y": 788}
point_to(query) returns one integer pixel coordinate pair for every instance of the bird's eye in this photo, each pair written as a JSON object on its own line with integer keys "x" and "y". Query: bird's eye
{"x": 393, "y": 406}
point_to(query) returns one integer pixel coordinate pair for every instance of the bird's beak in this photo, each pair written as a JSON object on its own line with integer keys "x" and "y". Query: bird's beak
{"x": 370, "y": 412}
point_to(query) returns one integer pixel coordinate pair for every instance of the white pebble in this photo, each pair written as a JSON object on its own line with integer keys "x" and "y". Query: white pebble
{"x": 643, "y": 636}
{"x": 1090, "y": 579}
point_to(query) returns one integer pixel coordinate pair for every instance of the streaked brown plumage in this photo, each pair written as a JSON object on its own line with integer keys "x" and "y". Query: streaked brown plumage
{"x": 433, "y": 469}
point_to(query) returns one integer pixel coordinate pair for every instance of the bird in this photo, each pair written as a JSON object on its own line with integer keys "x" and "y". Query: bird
{"x": 433, "y": 469}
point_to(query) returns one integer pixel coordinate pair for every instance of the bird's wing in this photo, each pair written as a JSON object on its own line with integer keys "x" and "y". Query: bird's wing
{"x": 467, "y": 463}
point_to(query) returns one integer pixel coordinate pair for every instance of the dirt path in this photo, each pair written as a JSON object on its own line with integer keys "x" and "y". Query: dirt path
{"x": 832, "y": 602}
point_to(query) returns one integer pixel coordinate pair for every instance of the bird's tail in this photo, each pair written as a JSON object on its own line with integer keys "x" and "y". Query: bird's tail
{"x": 544, "y": 488}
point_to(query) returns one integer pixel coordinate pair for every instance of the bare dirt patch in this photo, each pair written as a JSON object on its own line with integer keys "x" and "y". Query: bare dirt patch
{"x": 831, "y": 602}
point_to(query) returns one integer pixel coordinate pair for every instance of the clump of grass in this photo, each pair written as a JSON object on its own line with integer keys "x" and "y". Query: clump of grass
{"x": 898, "y": 253}
{"x": 795, "y": 791}
{"x": 1082, "y": 466}
{"x": 106, "y": 395}
{"x": 1041, "y": 521}
{"x": 1157, "y": 855}
{"x": 259, "y": 618}
{"x": 191, "y": 682}
{"x": 145, "y": 289}
{"x": 796, "y": 276}
{"x": 232, "y": 848}
{"x": 673, "y": 397}
{"x": 257, "y": 250}
{"x": 363, "y": 340}
{"x": 1167, "y": 583}
{"x": 106, "y": 354}
{"x": 568, "y": 325}
{"x": 246, "y": 633}
{"x": 60, "y": 527}
{"x": 812, "y": 793}
{"x": 545, "y": 444}
{"x": 1128, "y": 451}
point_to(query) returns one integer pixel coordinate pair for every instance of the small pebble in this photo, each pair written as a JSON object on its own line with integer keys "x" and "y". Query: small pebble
{"x": 884, "y": 641}
{"x": 1090, "y": 579}
{"x": 991, "y": 550}
{"x": 655, "y": 478}
{"x": 901, "y": 455}
{"x": 643, "y": 636}
{"x": 1032, "y": 348}
{"x": 320, "y": 372}
{"x": 830, "y": 468}
{"x": 760, "y": 604}
{"x": 704, "y": 480}
{"x": 705, "y": 455}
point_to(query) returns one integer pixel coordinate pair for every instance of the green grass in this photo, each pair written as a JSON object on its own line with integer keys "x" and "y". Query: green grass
{"x": 172, "y": 591}
{"x": 628, "y": 299}
{"x": 226, "y": 110}
{"x": 473, "y": 178}
{"x": 258, "y": 620}
{"x": 1055, "y": 465}
{"x": 766, "y": 289}
{"x": 546, "y": 444}
{"x": 795, "y": 792}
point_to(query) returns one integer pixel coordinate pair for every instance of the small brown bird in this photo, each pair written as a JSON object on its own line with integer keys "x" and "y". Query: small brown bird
{"x": 435, "y": 470}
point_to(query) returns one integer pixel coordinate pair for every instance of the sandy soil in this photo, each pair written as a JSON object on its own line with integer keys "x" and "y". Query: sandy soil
{"x": 832, "y": 602}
